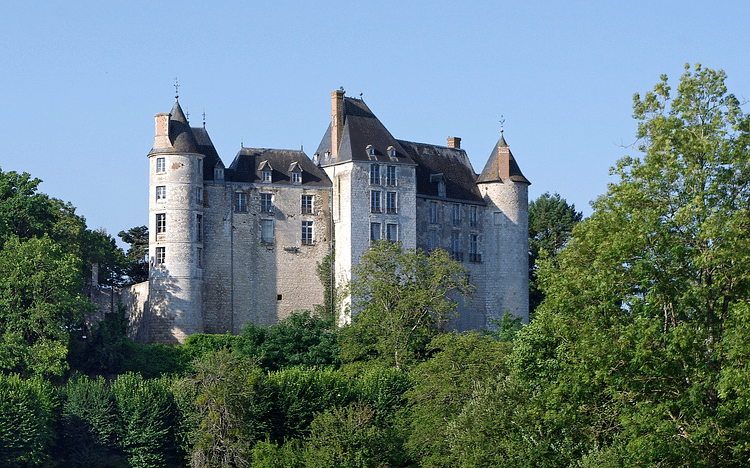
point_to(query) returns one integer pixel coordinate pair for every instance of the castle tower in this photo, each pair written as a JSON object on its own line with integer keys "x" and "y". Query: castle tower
{"x": 506, "y": 235}
{"x": 175, "y": 231}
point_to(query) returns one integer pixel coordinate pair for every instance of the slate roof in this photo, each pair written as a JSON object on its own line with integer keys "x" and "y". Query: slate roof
{"x": 245, "y": 166}
{"x": 361, "y": 129}
{"x": 452, "y": 163}
{"x": 207, "y": 149}
{"x": 183, "y": 140}
{"x": 491, "y": 171}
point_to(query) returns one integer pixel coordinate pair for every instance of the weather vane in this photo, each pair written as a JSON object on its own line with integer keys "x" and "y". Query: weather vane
{"x": 204, "y": 117}
{"x": 176, "y": 88}
{"x": 502, "y": 124}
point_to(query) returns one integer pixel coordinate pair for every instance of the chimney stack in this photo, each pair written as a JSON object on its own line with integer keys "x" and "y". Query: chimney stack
{"x": 454, "y": 142}
{"x": 337, "y": 122}
{"x": 161, "y": 137}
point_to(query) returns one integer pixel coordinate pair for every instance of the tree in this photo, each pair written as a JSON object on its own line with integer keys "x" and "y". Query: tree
{"x": 137, "y": 254}
{"x": 401, "y": 300}
{"x": 648, "y": 307}
{"x": 24, "y": 213}
{"x": 551, "y": 222}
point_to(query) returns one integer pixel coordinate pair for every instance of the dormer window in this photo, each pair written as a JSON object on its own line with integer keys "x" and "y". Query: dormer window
{"x": 371, "y": 152}
{"x": 392, "y": 153}
{"x": 265, "y": 172}
{"x": 440, "y": 179}
{"x": 219, "y": 171}
{"x": 296, "y": 172}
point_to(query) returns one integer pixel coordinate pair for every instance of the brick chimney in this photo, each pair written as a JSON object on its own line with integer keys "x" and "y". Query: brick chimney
{"x": 161, "y": 138}
{"x": 454, "y": 142}
{"x": 337, "y": 122}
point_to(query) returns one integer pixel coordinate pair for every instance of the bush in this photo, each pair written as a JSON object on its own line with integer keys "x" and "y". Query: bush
{"x": 27, "y": 409}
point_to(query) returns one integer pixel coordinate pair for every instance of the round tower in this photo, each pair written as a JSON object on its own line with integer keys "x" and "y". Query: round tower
{"x": 506, "y": 235}
{"x": 175, "y": 231}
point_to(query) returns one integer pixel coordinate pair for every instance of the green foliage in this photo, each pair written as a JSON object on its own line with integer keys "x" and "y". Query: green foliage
{"x": 645, "y": 312}
{"x": 201, "y": 345}
{"x": 349, "y": 437}
{"x": 149, "y": 418}
{"x": 23, "y": 212}
{"x": 300, "y": 339}
{"x": 155, "y": 360}
{"x": 90, "y": 425}
{"x": 40, "y": 303}
{"x": 551, "y": 222}
{"x": 137, "y": 255}
{"x": 507, "y": 328}
{"x": 443, "y": 385}
{"x": 267, "y": 454}
{"x": 401, "y": 300}
{"x": 27, "y": 409}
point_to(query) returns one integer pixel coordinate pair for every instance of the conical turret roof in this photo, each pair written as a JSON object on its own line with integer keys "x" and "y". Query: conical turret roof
{"x": 502, "y": 166}
{"x": 180, "y": 134}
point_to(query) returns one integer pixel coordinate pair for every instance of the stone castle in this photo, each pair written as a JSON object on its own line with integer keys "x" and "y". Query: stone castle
{"x": 241, "y": 243}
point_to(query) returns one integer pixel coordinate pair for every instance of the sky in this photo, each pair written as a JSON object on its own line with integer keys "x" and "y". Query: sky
{"x": 80, "y": 81}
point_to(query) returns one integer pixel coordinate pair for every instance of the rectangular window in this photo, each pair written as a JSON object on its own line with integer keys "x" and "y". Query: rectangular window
{"x": 296, "y": 177}
{"x": 456, "y": 214}
{"x": 473, "y": 221}
{"x": 391, "y": 232}
{"x": 455, "y": 253}
{"x": 374, "y": 174}
{"x": 161, "y": 223}
{"x": 199, "y": 228}
{"x": 390, "y": 176}
{"x": 240, "y": 202}
{"x": 200, "y": 167}
{"x": 390, "y": 203}
{"x": 199, "y": 257}
{"x": 431, "y": 240}
{"x": 161, "y": 192}
{"x": 266, "y": 202}
{"x": 433, "y": 212}
{"x": 307, "y": 233}
{"x": 161, "y": 165}
{"x": 198, "y": 195}
{"x": 474, "y": 255}
{"x": 266, "y": 176}
{"x": 375, "y": 202}
{"x": 266, "y": 231}
{"x": 161, "y": 255}
{"x": 374, "y": 232}
{"x": 307, "y": 204}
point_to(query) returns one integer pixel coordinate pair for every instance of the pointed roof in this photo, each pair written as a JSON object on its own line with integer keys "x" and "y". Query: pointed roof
{"x": 180, "y": 133}
{"x": 502, "y": 166}
{"x": 361, "y": 129}
{"x": 250, "y": 162}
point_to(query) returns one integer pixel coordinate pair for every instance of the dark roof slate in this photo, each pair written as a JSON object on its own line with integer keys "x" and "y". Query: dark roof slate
{"x": 207, "y": 149}
{"x": 452, "y": 163}
{"x": 180, "y": 134}
{"x": 245, "y": 166}
{"x": 492, "y": 170}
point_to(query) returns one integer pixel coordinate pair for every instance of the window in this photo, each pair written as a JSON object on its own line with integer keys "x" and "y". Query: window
{"x": 456, "y": 214}
{"x": 161, "y": 192}
{"x": 390, "y": 203}
{"x": 433, "y": 212}
{"x": 374, "y": 174}
{"x": 199, "y": 228}
{"x": 307, "y": 204}
{"x": 375, "y": 202}
{"x": 161, "y": 223}
{"x": 200, "y": 167}
{"x": 198, "y": 195}
{"x": 266, "y": 176}
{"x": 266, "y": 231}
{"x": 218, "y": 173}
{"x": 161, "y": 255}
{"x": 370, "y": 152}
{"x": 498, "y": 218}
{"x": 240, "y": 202}
{"x": 455, "y": 254}
{"x": 392, "y": 153}
{"x": 161, "y": 165}
{"x": 266, "y": 202}
{"x": 391, "y": 232}
{"x": 307, "y": 233}
{"x": 473, "y": 249}
{"x": 431, "y": 240}
{"x": 374, "y": 232}
{"x": 296, "y": 178}
{"x": 390, "y": 176}
{"x": 199, "y": 257}
{"x": 473, "y": 221}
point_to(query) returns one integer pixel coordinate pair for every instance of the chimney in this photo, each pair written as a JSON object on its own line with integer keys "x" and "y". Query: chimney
{"x": 337, "y": 122}
{"x": 161, "y": 138}
{"x": 454, "y": 142}
{"x": 503, "y": 154}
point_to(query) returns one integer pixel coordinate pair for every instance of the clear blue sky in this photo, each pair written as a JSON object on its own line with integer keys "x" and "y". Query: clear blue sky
{"x": 81, "y": 81}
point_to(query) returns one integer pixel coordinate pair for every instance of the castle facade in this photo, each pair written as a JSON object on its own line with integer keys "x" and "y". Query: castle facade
{"x": 241, "y": 243}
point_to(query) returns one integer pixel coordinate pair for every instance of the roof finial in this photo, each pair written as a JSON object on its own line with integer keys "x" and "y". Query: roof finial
{"x": 204, "y": 117}
{"x": 176, "y": 88}
{"x": 502, "y": 124}
{"x": 360, "y": 95}
{"x": 242, "y": 145}
{"x": 187, "y": 114}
